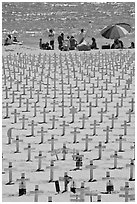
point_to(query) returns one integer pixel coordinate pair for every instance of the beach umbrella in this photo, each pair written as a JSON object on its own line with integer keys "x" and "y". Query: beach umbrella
{"x": 116, "y": 31}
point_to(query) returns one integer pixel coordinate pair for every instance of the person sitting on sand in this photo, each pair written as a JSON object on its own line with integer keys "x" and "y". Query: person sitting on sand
{"x": 94, "y": 44}
{"x": 118, "y": 44}
{"x": 44, "y": 46}
{"x": 73, "y": 43}
{"x": 81, "y": 37}
{"x": 8, "y": 40}
{"x": 84, "y": 46}
{"x": 51, "y": 38}
{"x": 60, "y": 41}
{"x": 66, "y": 44}
{"x": 132, "y": 46}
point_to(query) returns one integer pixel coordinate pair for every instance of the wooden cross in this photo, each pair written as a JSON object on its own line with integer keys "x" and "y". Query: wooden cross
{"x": 73, "y": 110}
{"x": 29, "y": 148}
{"x": 132, "y": 104}
{"x": 62, "y": 106}
{"x": 38, "y": 93}
{"x": 107, "y": 177}
{"x": 44, "y": 116}
{"x": 100, "y": 147}
{"x": 90, "y": 109}
{"x": 115, "y": 88}
{"x": 97, "y": 79}
{"x": 75, "y": 198}
{"x": 115, "y": 156}
{"x": 101, "y": 115}
{"x": 120, "y": 143}
{"x": 23, "y": 121}
{"x": 35, "y": 109}
{"x": 121, "y": 97}
{"x": 125, "y": 127}
{"x": 54, "y": 105}
{"x": 117, "y": 110}
{"x": 53, "y": 122}
{"x": 13, "y": 96}
{"x": 22, "y": 184}
{"x": 75, "y": 134}
{"x": 52, "y": 140}
{"x": 78, "y": 159}
{"x": 51, "y": 167}
{"x": 7, "y": 106}
{"x": 112, "y": 121}
{"x": 49, "y": 198}
{"x": 87, "y": 139}
{"x": 71, "y": 100}
{"x": 17, "y": 141}
{"x": 42, "y": 135}
{"x": 66, "y": 180}
{"x": 129, "y": 116}
{"x": 94, "y": 127}
{"x": 107, "y": 134}
{"x": 9, "y": 134}
{"x": 78, "y": 90}
{"x": 15, "y": 115}
{"x": 106, "y": 83}
{"x": 96, "y": 101}
{"x": 125, "y": 91}
{"x": 131, "y": 165}
{"x": 20, "y": 100}
{"x": 64, "y": 125}
{"x": 126, "y": 195}
{"x": 30, "y": 90}
{"x": 27, "y": 105}
{"x": 91, "y": 167}
{"x": 101, "y": 95}
{"x": 24, "y": 89}
{"x": 119, "y": 79}
{"x": 83, "y": 121}
{"x": 82, "y": 191}
{"x": 55, "y": 152}
{"x": 128, "y": 82}
{"x": 36, "y": 192}
{"x": 10, "y": 174}
{"x": 39, "y": 157}
{"x": 91, "y": 194}
{"x": 93, "y": 88}
{"x": 32, "y": 129}
{"x": 133, "y": 147}
{"x": 80, "y": 104}
{"x": 111, "y": 96}
{"x": 6, "y": 92}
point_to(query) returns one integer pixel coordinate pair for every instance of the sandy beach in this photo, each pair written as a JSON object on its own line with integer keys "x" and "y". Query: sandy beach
{"x": 37, "y": 62}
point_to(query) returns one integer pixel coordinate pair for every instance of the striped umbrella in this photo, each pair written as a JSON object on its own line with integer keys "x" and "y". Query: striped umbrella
{"x": 116, "y": 31}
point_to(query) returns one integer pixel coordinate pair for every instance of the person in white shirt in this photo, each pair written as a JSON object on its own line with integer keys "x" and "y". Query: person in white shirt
{"x": 81, "y": 37}
{"x": 88, "y": 34}
{"x": 51, "y": 36}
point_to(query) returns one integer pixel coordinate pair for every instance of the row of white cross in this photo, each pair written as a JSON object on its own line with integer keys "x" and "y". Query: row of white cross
{"x": 84, "y": 79}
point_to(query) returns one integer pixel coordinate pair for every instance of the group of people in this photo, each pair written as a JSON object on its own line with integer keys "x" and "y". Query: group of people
{"x": 9, "y": 40}
{"x": 68, "y": 43}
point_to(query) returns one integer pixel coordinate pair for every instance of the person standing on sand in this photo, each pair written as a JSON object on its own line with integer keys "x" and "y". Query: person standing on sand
{"x": 88, "y": 35}
{"x": 81, "y": 37}
{"x": 51, "y": 36}
{"x": 60, "y": 41}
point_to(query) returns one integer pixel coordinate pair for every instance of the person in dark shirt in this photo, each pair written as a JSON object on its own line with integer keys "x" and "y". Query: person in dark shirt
{"x": 60, "y": 41}
{"x": 73, "y": 43}
{"x": 118, "y": 44}
{"x": 94, "y": 44}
